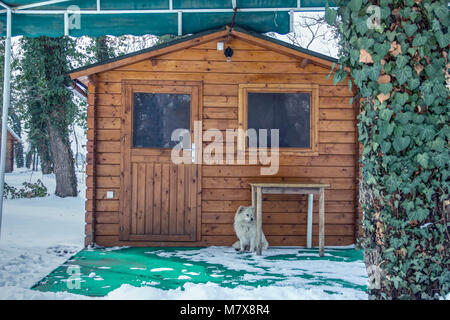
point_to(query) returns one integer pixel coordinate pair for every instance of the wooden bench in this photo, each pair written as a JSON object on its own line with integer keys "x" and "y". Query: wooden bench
{"x": 258, "y": 189}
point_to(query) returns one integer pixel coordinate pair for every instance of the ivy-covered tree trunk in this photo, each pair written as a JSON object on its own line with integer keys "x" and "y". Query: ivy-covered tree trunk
{"x": 397, "y": 54}
{"x": 66, "y": 180}
{"x": 50, "y": 109}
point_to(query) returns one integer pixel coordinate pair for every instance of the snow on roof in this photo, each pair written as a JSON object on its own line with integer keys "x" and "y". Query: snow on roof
{"x": 14, "y": 134}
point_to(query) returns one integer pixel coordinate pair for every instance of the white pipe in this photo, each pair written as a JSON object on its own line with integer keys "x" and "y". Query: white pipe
{"x": 313, "y": 9}
{"x": 39, "y": 4}
{"x": 6, "y": 102}
{"x": 180, "y": 23}
{"x": 66, "y": 24}
{"x": 310, "y": 221}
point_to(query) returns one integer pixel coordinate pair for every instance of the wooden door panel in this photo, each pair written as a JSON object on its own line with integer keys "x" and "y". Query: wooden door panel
{"x": 160, "y": 199}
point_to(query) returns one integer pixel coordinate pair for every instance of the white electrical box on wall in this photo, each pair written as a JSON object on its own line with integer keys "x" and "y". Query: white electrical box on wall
{"x": 109, "y": 194}
{"x": 220, "y": 46}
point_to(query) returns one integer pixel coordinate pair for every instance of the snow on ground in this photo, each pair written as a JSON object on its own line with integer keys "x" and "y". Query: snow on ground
{"x": 40, "y": 234}
{"x": 37, "y": 235}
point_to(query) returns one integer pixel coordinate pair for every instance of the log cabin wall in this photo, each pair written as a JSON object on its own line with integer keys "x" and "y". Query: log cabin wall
{"x": 224, "y": 187}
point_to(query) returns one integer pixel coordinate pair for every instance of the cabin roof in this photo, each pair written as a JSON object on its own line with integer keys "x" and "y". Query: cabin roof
{"x": 200, "y": 38}
{"x": 13, "y": 134}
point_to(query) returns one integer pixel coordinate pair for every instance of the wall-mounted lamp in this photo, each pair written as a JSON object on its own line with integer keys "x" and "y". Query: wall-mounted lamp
{"x": 228, "y": 53}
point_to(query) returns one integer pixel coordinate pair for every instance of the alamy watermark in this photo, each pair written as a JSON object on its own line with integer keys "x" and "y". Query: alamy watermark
{"x": 221, "y": 149}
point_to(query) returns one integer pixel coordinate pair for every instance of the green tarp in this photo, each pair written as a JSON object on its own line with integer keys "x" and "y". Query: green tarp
{"x": 101, "y": 271}
{"x": 128, "y": 16}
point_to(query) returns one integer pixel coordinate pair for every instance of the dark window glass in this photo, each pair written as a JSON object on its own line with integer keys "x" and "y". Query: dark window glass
{"x": 288, "y": 112}
{"x": 156, "y": 116}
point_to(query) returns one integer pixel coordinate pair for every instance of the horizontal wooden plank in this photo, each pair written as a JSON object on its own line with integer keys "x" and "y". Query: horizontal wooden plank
{"x": 340, "y": 158}
{"x": 337, "y": 114}
{"x": 337, "y": 148}
{"x": 104, "y": 170}
{"x": 285, "y": 171}
{"x": 240, "y": 182}
{"x": 327, "y": 102}
{"x": 343, "y": 125}
{"x": 111, "y": 241}
{"x": 280, "y": 229}
{"x": 245, "y": 195}
{"x": 111, "y": 100}
{"x": 108, "y": 111}
{"x": 220, "y": 101}
{"x": 108, "y": 146}
{"x": 335, "y": 91}
{"x": 103, "y": 229}
{"x": 220, "y": 113}
{"x": 160, "y": 65}
{"x": 108, "y": 158}
{"x": 106, "y": 135}
{"x": 281, "y": 218}
{"x": 300, "y": 206}
{"x": 208, "y": 78}
{"x": 104, "y": 182}
{"x": 220, "y": 89}
{"x": 104, "y": 123}
{"x": 103, "y": 217}
{"x": 103, "y": 205}
{"x": 218, "y": 55}
{"x": 101, "y": 193}
{"x": 337, "y": 137}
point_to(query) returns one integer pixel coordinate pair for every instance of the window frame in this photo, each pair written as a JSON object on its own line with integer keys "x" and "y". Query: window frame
{"x": 162, "y": 87}
{"x": 312, "y": 89}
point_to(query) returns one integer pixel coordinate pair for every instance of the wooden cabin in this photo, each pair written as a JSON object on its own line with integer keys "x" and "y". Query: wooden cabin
{"x": 137, "y": 196}
{"x": 12, "y": 139}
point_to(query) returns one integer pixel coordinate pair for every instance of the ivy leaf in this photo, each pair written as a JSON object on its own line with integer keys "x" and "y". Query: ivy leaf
{"x": 413, "y": 83}
{"x": 419, "y": 40}
{"x": 385, "y": 88}
{"x": 401, "y": 143}
{"x": 418, "y": 214}
{"x": 403, "y": 74}
{"x": 386, "y": 114}
{"x": 441, "y": 159}
{"x": 422, "y": 159}
{"x": 401, "y": 61}
{"x": 355, "y": 5}
{"x": 426, "y": 133}
{"x": 443, "y": 39}
{"x": 382, "y": 49}
{"x": 403, "y": 117}
{"x": 441, "y": 12}
{"x": 410, "y": 29}
{"x": 330, "y": 15}
{"x": 401, "y": 98}
{"x": 385, "y": 146}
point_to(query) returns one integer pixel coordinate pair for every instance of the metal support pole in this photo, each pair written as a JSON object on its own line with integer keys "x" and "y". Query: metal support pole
{"x": 310, "y": 222}
{"x": 6, "y": 102}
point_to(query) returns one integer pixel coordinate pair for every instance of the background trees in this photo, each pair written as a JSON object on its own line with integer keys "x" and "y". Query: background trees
{"x": 48, "y": 105}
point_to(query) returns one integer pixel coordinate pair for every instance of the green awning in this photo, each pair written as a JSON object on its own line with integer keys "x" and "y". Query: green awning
{"x": 158, "y": 17}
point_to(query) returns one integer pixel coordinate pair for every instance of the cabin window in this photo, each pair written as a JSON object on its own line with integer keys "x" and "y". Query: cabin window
{"x": 290, "y": 108}
{"x": 156, "y": 116}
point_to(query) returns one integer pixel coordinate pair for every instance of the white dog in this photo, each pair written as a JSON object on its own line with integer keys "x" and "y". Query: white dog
{"x": 245, "y": 228}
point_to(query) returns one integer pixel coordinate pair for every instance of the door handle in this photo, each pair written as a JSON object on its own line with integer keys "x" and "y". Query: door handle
{"x": 193, "y": 152}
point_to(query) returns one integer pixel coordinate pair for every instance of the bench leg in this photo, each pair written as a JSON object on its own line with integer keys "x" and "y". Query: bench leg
{"x": 310, "y": 221}
{"x": 321, "y": 222}
{"x": 258, "y": 221}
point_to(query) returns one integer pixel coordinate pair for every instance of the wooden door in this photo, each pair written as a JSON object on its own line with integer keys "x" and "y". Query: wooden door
{"x": 160, "y": 199}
